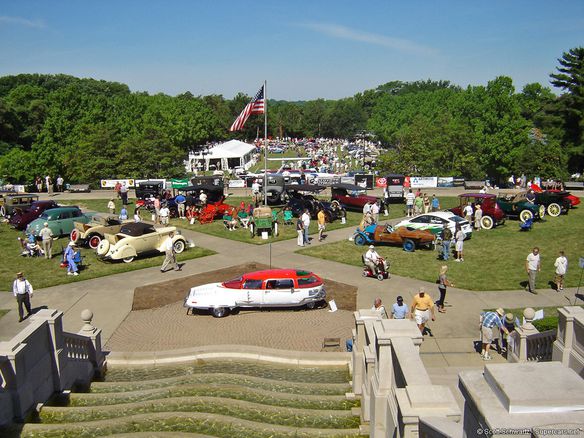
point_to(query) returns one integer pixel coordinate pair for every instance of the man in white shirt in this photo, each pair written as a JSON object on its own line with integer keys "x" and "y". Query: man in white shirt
{"x": 367, "y": 208}
{"x": 46, "y": 236}
{"x": 410, "y": 198}
{"x": 467, "y": 212}
{"x": 164, "y": 214}
{"x": 23, "y": 291}
{"x": 372, "y": 259}
{"x": 203, "y": 198}
{"x": 255, "y": 191}
{"x": 374, "y": 209}
{"x": 561, "y": 265}
{"x": 532, "y": 266}
{"x": 379, "y": 308}
{"x": 306, "y": 223}
{"x": 170, "y": 259}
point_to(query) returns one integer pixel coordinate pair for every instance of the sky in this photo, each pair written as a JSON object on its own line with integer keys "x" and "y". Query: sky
{"x": 303, "y": 49}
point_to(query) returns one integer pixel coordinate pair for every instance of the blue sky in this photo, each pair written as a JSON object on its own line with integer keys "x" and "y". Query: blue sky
{"x": 304, "y": 49}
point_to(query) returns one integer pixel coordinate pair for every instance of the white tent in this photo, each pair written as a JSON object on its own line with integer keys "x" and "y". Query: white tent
{"x": 223, "y": 156}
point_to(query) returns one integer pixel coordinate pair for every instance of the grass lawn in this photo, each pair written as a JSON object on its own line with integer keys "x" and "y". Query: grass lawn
{"x": 494, "y": 259}
{"x": 44, "y": 273}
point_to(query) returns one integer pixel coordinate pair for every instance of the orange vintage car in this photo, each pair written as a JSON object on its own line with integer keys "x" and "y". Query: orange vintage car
{"x": 380, "y": 234}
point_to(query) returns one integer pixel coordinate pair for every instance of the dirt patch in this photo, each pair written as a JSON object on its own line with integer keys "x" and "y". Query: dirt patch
{"x": 157, "y": 295}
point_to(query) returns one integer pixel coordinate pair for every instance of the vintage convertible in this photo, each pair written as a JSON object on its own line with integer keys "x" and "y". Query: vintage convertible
{"x": 350, "y": 196}
{"x": 269, "y": 288}
{"x": 92, "y": 233}
{"x": 517, "y": 206}
{"x": 138, "y": 238}
{"x": 408, "y": 239}
{"x": 300, "y": 197}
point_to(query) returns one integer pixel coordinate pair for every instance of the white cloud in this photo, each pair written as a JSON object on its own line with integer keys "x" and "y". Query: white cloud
{"x": 37, "y": 24}
{"x": 342, "y": 32}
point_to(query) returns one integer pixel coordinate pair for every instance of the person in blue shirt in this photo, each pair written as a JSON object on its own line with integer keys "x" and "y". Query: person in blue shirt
{"x": 180, "y": 203}
{"x": 70, "y": 258}
{"x": 123, "y": 213}
{"x": 435, "y": 203}
{"x": 488, "y": 321}
{"x": 399, "y": 310}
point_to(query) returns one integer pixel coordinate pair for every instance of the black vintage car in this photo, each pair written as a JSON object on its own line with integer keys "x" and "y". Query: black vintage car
{"x": 302, "y": 196}
{"x": 556, "y": 203}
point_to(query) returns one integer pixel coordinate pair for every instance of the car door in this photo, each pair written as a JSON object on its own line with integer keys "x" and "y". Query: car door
{"x": 69, "y": 222}
{"x": 61, "y": 222}
{"x": 279, "y": 292}
{"x": 252, "y": 293}
{"x": 150, "y": 241}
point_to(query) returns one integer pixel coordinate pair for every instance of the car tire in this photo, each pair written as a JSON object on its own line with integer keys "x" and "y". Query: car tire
{"x": 128, "y": 259}
{"x": 311, "y": 305}
{"x": 554, "y": 210}
{"x": 103, "y": 247}
{"x": 179, "y": 246}
{"x": 487, "y": 222}
{"x": 525, "y": 215}
{"x": 219, "y": 312}
{"x": 360, "y": 240}
{"x": 74, "y": 235}
{"x": 94, "y": 241}
{"x": 409, "y": 245}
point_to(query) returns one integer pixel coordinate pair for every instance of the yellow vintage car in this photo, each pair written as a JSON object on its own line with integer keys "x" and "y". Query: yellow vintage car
{"x": 93, "y": 232}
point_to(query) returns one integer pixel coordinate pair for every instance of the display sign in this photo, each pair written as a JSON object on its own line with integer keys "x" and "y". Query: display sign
{"x": 445, "y": 181}
{"x": 327, "y": 180}
{"x": 236, "y": 183}
{"x": 111, "y": 183}
{"x": 380, "y": 182}
{"x": 364, "y": 180}
{"x": 423, "y": 182}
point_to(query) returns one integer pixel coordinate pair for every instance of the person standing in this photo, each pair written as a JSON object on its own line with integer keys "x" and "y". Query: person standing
{"x": 467, "y": 212}
{"x": 23, "y": 291}
{"x": 180, "y": 203}
{"x": 70, "y": 258}
{"x": 489, "y": 320}
{"x": 532, "y": 266}
{"x": 60, "y": 183}
{"x": 418, "y": 204}
{"x": 321, "y": 223}
{"x": 203, "y": 199}
{"x": 46, "y": 236}
{"x": 300, "y": 232}
{"x": 306, "y": 224}
{"x": 379, "y": 307}
{"x": 561, "y": 265}
{"x": 446, "y": 235}
{"x": 443, "y": 282}
{"x": 399, "y": 310}
{"x": 374, "y": 210}
{"x": 170, "y": 259}
{"x": 111, "y": 206}
{"x": 255, "y": 191}
{"x": 459, "y": 245}
{"x": 435, "y": 203}
{"x": 422, "y": 309}
{"x": 49, "y": 184}
{"x": 38, "y": 182}
{"x": 426, "y": 201}
{"x": 478, "y": 215}
{"x": 157, "y": 209}
{"x": 410, "y": 198}
{"x": 124, "y": 193}
{"x": 386, "y": 200}
{"x": 164, "y": 214}
{"x": 137, "y": 217}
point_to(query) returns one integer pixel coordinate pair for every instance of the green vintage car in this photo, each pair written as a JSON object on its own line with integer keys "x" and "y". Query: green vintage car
{"x": 61, "y": 220}
{"x": 518, "y": 207}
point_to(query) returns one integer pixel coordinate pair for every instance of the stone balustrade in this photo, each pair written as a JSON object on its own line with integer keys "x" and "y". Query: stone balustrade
{"x": 43, "y": 359}
{"x": 569, "y": 345}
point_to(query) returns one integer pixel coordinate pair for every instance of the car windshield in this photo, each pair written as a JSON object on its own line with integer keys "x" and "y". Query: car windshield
{"x": 307, "y": 281}
{"x": 233, "y": 284}
{"x": 457, "y": 219}
{"x": 44, "y": 216}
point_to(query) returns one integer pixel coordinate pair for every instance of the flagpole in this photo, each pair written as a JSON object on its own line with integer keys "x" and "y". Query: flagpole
{"x": 265, "y": 142}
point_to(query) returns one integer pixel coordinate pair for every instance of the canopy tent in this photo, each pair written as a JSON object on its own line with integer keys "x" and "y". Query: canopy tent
{"x": 223, "y": 156}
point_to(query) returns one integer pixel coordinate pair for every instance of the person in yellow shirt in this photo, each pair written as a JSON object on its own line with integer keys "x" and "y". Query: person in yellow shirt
{"x": 321, "y": 223}
{"x": 421, "y": 309}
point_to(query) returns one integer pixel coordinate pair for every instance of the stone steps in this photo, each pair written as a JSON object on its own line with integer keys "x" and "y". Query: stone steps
{"x": 200, "y": 422}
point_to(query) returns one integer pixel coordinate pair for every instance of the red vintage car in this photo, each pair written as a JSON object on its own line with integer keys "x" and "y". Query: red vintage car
{"x": 21, "y": 218}
{"x": 574, "y": 200}
{"x": 493, "y": 215}
{"x": 351, "y": 197}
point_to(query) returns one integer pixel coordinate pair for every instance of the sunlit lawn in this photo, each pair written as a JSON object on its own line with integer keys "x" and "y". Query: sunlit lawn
{"x": 43, "y": 273}
{"x": 493, "y": 259}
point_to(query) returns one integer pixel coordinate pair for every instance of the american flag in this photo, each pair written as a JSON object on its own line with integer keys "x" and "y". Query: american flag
{"x": 256, "y": 106}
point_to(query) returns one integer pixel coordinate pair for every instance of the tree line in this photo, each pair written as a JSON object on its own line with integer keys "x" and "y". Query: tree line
{"x": 86, "y": 129}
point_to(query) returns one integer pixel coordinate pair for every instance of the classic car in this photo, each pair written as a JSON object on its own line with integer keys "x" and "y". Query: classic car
{"x": 574, "y": 200}
{"x": 61, "y": 220}
{"x": 92, "y": 233}
{"x": 436, "y": 221}
{"x": 408, "y": 239}
{"x": 300, "y": 197}
{"x": 270, "y": 288}
{"x": 9, "y": 203}
{"x": 263, "y": 219}
{"x": 350, "y": 196}
{"x": 22, "y": 217}
{"x": 517, "y": 206}
{"x": 555, "y": 201}
{"x": 493, "y": 215}
{"x": 138, "y": 238}
{"x": 146, "y": 189}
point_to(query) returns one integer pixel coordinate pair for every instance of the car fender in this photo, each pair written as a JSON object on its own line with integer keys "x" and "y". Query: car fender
{"x": 123, "y": 252}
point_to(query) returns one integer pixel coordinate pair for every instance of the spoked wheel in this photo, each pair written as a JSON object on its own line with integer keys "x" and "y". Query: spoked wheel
{"x": 525, "y": 215}
{"x": 487, "y": 222}
{"x": 554, "y": 210}
{"x": 179, "y": 246}
{"x": 94, "y": 241}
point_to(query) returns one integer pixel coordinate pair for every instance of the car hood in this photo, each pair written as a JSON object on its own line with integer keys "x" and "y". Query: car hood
{"x": 206, "y": 289}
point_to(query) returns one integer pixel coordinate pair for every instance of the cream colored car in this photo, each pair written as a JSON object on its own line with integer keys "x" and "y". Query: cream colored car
{"x": 139, "y": 238}
{"x": 92, "y": 233}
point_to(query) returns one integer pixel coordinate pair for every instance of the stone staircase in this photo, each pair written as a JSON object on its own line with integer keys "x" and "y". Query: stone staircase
{"x": 221, "y": 399}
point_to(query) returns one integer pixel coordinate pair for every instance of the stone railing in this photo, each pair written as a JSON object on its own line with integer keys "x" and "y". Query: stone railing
{"x": 391, "y": 380}
{"x": 530, "y": 345}
{"x": 569, "y": 345}
{"x": 43, "y": 359}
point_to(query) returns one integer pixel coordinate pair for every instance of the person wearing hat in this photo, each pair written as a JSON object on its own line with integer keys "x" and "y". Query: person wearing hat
{"x": 46, "y": 236}
{"x": 488, "y": 321}
{"x": 111, "y": 206}
{"x": 509, "y": 323}
{"x": 203, "y": 199}
{"x": 399, "y": 310}
{"x": 371, "y": 259}
{"x": 69, "y": 257}
{"x": 443, "y": 282}
{"x": 22, "y": 290}
{"x": 421, "y": 309}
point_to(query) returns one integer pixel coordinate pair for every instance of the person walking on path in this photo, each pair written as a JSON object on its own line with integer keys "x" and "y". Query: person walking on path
{"x": 532, "y": 267}
{"x": 22, "y": 290}
{"x": 443, "y": 282}
{"x": 38, "y": 182}
{"x": 379, "y": 307}
{"x": 489, "y": 320}
{"x": 300, "y": 232}
{"x": 46, "y": 236}
{"x": 306, "y": 224}
{"x": 49, "y": 184}
{"x": 399, "y": 310}
{"x": 170, "y": 259}
{"x": 70, "y": 259}
{"x": 422, "y": 309}
{"x": 561, "y": 265}
{"x": 321, "y": 223}
{"x": 459, "y": 245}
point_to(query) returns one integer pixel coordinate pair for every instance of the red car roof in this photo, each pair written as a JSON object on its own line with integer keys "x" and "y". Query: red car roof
{"x": 477, "y": 195}
{"x": 277, "y": 273}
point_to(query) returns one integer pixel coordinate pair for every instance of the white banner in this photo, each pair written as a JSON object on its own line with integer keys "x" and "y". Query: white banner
{"x": 111, "y": 183}
{"x": 423, "y": 182}
{"x": 236, "y": 183}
